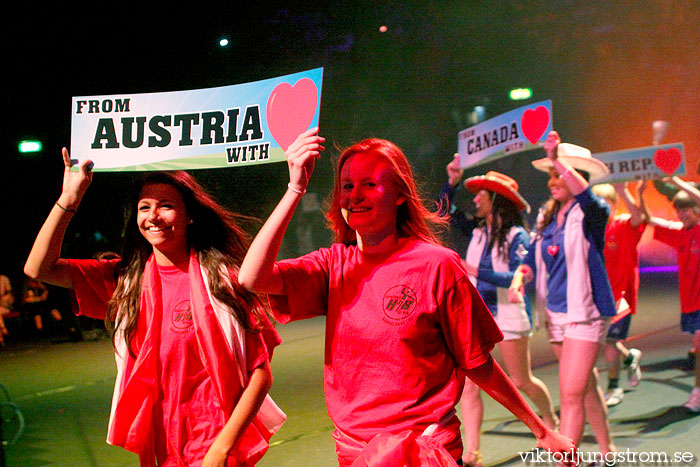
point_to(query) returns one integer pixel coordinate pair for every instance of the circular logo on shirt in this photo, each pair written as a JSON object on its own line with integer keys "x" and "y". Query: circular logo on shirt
{"x": 694, "y": 247}
{"x": 181, "y": 317}
{"x": 399, "y": 302}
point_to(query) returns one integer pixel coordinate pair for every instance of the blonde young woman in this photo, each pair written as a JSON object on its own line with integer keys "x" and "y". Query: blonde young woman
{"x": 566, "y": 261}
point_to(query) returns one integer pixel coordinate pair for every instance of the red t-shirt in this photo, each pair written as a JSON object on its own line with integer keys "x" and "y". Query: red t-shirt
{"x": 397, "y": 329}
{"x": 622, "y": 259}
{"x": 189, "y": 413}
{"x": 687, "y": 245}
{"x": 189, "y": 416}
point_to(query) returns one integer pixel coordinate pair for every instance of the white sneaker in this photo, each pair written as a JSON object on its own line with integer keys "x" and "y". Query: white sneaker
{"x": 634, "y": 372}
{"x": 693, "y": 401}
{"x": 614, "y": 396}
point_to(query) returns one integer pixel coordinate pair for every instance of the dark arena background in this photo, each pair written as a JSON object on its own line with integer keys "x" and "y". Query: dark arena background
{"x": 412, "y": 72}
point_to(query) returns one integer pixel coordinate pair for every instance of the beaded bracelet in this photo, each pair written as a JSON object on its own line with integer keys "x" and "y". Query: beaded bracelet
{"x": 66, "y": 209}
{"x": 296, "y": 190}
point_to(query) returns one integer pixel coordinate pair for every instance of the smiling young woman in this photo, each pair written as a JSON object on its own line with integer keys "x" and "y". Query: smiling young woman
{"x": 566, "y": 261}
{"x": 162, "y": 220}
{"x": 184, "y": 328}
{"x": 403, "y": 323}
{"x": 369, "y": 199}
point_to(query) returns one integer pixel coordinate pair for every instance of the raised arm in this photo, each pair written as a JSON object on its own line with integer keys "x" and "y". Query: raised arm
{"x": 574, "y": 180}
{"x": 43, "y": 262}
{"x": 258, "y": 272}
{"x": 652, "y": 220}
{"x": 454, "y": 171}
{"x": 693, "y": 192}
{"x": 637, "y": 214}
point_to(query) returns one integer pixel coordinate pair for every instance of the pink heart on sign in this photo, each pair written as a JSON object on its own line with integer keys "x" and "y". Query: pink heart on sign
{"x": 668, "y": 160}
{"x": 290, "y": 110}
{"x": 534, "y": 123}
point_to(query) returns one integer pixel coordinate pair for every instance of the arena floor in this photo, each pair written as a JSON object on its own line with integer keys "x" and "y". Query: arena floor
{"x": 63, "y": 391}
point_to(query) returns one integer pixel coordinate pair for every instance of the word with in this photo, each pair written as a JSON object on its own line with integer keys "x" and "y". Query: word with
{"x": 251, "y": 153}
{"x": 514, "y": 147}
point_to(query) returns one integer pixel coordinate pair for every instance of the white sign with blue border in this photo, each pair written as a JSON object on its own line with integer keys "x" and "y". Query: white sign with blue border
{"x": 509, "y": 133}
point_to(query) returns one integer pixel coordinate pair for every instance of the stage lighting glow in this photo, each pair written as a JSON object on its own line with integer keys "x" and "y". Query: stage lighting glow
{"x": 223, "y": 42}
{"x": 29, "y": 146}
{"x": 520, "y": 94}
{"x": 383, "y": 29}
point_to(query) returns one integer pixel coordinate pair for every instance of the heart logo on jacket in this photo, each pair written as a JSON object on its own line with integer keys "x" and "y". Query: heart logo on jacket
{"x": 553, "y": 250}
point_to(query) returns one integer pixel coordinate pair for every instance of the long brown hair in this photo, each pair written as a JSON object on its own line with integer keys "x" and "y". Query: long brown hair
{"x": 413, "y": 219}
{"x": 216, "y": 237}
{"x": 505, "y": 215}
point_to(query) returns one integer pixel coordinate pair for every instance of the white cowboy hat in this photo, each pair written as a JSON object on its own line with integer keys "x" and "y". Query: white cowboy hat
{"x": 578, "y": 157}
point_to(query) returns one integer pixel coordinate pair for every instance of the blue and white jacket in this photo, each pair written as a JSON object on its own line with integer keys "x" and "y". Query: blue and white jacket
{"x": 582, "y": 289}
{"x": 496, "y": 273}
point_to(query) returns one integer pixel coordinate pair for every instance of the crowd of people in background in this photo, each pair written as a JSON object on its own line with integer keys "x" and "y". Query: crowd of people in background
{"x": 581, "y": 256}
{"x": 36, "y": 312}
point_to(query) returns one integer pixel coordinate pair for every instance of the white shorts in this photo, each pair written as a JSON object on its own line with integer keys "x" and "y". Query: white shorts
{"x": 513, "y": 335}
{"x": 559, "y": 327}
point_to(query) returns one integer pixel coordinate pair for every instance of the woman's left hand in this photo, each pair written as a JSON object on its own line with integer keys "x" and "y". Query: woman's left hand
{"x": 215, "y": 457}
{"x": 554, "y": 441}
{"x": 516, "y": 294}
{"x": 551, "y": 145}
{"x": 301, "y": 156}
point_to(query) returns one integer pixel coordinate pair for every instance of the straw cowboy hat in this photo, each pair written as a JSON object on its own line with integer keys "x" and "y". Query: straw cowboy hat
{"x": 578, "y": 157}
{"x": 498, "y": 183}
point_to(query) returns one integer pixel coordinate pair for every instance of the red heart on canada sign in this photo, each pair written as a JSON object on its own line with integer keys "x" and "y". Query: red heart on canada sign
{"x": 668, "y": 160}
{"x": 290, "y": 110}
{"x": 534, "y": 123}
